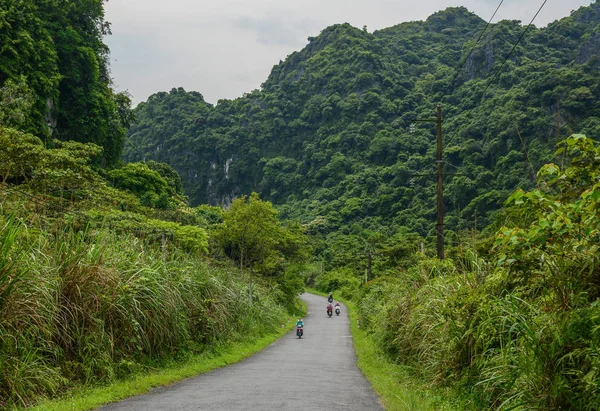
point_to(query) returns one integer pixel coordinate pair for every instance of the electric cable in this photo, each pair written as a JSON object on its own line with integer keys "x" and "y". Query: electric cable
{"x": 496, "y": 74}
{"x": 462, "y": 64}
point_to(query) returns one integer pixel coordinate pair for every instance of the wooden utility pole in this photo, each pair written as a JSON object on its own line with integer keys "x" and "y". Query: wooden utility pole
{"x": 440, "y": 187}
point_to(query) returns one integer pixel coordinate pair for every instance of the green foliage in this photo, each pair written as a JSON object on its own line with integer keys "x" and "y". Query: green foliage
{"x": 19, "y": 154}
{"x": 16, "y": 102}
{"x": 327, "y": 139}
{"x": 341, "y": 280}
{"x": 209, "y": 215}
{"x": 63, "y": 171}
{"x": 54, "y": 60}
{"x": 79, "y": 307}
{"x": 519, "y": 331}
{"x": 329, "y": 136}
{"x": 144, "y": 182}
{"x": 173, "y": 179}
{"x": 190, "y": 238}
{"x": 251, "y": 235}
{"x": 104, "y": 271}
{"x": 562, "y": 229}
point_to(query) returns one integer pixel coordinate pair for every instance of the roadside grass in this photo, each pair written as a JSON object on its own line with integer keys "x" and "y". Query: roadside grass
{"x": 397, "y": 389}
{"x": 87, "y": 398}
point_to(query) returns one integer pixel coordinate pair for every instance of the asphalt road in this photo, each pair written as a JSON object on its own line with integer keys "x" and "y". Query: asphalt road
{"x": 317, "y": 372}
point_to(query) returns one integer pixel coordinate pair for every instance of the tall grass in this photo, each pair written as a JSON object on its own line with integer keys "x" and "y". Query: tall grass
{"x": 88, "y": 306}
{"x": 504, "y": 349}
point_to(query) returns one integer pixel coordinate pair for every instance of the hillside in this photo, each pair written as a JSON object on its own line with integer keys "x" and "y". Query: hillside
{"x": 55, "y": 76}
{"x": 329, "y": 133}
{"x": 106, "y": 273}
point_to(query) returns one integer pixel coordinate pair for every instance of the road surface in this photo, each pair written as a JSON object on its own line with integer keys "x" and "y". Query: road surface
{"x": 317, "y": 372}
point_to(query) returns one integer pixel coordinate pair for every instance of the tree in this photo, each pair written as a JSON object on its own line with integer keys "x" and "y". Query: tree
{"x": 53, "y": 54}
{"x": 252, "y": 236}
{"x": 16, "y": 102}
{"x": 148, "y": 184}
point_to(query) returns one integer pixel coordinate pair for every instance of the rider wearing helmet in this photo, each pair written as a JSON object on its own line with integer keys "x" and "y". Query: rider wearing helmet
{"x": 330, "y": 297}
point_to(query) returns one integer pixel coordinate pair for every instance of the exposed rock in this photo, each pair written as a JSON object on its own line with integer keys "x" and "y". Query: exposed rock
{"x": 589, "y": 49}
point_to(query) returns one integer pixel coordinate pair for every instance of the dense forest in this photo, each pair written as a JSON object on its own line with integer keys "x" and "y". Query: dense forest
{"x": 131, "y": 239}
{"x": 330, "y": 139}
{"x": 105, "y": 270}
{"x": 55, "y": 77}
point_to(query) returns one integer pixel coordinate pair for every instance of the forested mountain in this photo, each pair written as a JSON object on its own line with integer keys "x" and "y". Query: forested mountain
{"x": 105, "y": 271}
{"x": 330, "y": 132}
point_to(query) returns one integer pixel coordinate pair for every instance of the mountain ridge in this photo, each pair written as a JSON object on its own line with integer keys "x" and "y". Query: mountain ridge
{"x": 338, "y": 113}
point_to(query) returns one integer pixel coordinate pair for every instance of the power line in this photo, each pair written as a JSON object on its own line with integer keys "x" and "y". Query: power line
{"x": 45, "y": 203}
{"x": 459, "y": 128}
{"x": 571, "y": 120}
{"x": 452, "y": 165}
{"x": 496, "y": 74}
{"x": 464, "y": 61}
{"x": 588, "y": 112}
{"x": 462, "y": 64}
{"x": 420, "y": 172}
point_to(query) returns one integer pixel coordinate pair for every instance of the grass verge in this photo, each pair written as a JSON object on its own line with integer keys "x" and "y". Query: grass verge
{"x": 87, "y": 398}
{"x": 397, "y": 389}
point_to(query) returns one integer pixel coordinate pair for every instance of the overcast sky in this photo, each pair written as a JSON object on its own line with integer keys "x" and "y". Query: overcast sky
{"x": 225, "y": 48}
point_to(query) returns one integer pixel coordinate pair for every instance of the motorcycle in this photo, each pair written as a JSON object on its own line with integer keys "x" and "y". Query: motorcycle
{"x": 329, "y": 310}
{"x": 337, "y": 310}
{"x": 299, "y": 331}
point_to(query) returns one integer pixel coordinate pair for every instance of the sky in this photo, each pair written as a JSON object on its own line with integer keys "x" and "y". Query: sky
{"x": 225, "y": 48}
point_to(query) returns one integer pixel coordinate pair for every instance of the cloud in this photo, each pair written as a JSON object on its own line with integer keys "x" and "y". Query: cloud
{"x": 225, "y": 48}
{"x": 276, "y": 31}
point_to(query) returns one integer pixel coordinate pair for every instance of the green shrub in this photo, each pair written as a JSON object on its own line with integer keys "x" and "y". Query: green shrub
{"x": 76, "y": 306}
{"x": 341, "y": 281}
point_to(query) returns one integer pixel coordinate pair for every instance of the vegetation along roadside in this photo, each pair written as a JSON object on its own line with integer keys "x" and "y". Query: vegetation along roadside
{"x": 145, "y": 244}
{"x": 92, "y": 397}
{"x": 397, "y": 389}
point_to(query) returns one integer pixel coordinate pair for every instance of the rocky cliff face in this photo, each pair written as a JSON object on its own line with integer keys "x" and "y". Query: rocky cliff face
{"x": 589, "y": 50}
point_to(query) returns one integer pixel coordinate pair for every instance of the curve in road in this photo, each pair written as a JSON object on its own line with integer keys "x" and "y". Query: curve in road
{"x": 317, "y": 372}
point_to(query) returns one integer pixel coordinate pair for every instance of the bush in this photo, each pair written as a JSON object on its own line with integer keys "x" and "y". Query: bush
{"x": 341, "y": 281}
{"x": 78, "y": 307}
{"x": 520, "y": 332}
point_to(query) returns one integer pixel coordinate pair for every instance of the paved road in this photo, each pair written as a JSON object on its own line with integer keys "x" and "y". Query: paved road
{"x": 317, "y": 372}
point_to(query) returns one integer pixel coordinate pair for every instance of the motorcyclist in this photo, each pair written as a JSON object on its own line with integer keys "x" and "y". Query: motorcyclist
{"x": 330, "y": 307}
{"x": 330, "y": 297}
{"x": 337, "y": 305}
{"x": 300, "y": 328}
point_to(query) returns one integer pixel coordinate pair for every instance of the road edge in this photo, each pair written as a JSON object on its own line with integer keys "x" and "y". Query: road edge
{"x": 88, "y": 398}
{"x": 395, "y": 387}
